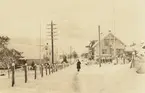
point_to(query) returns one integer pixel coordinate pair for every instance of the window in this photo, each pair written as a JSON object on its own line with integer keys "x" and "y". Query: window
{"x": 104, "y": 51}
{"x": 106, "y": 42}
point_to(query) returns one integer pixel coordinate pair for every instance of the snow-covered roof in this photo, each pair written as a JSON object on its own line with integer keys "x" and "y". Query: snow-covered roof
{"x": 105, "y": 36}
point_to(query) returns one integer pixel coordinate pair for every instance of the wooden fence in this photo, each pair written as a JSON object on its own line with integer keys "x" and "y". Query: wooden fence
{"x": 44, "y": 70}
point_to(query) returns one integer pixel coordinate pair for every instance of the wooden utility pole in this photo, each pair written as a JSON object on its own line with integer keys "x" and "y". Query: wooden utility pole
{"x": 40, "y": 43}
{"x": 52, "y": 32}
{"x": 52, "y": 46}
{"x": 99, "y": 47}
{"x": 113, "y": 26}
{"x": 114, "y": 46}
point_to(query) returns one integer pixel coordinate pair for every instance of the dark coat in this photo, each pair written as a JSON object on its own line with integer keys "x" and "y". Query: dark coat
{"x": 78, "y": 65}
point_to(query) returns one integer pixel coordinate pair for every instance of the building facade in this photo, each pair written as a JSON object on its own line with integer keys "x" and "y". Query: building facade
{"x": 109, "y": 46}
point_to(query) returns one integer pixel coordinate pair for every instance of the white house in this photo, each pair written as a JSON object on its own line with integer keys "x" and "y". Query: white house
{"x": 110, "y": 45}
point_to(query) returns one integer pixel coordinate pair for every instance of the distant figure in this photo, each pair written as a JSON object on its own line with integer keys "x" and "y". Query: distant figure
{"x": 78, "y": 65}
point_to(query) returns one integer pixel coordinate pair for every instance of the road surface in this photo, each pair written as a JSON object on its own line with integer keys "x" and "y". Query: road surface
{"x": 91, "y": 79}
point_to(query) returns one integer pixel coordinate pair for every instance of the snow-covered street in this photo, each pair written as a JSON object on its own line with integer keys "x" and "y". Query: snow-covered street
{"x": 91, "y": 79}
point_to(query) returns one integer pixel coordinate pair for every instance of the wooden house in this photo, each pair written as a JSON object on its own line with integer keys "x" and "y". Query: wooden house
{"x": 110, "y": 46}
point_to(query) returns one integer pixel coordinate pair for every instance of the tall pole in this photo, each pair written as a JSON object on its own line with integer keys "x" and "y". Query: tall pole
{"x": 52, "y": 42}
{"x": 53, "y": 34}
{"x": 40, "y": 43}
{"x": 113, "y": 25}
{"x": 114, "y": 46}
{"x": 99, "y": 47}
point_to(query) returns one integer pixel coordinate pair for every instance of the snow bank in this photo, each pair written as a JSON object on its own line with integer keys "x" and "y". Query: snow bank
{"x": 111, "y": 79}
{"x": 139, "y": 63}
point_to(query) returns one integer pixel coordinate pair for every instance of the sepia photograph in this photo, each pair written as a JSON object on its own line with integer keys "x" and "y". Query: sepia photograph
{"x": 72, "y": 46}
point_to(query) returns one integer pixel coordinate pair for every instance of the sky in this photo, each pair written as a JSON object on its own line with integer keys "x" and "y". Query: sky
{"x": 76, "y": 20}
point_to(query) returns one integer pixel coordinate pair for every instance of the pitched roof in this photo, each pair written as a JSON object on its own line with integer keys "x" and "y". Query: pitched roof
{"x": 106, "y": 37}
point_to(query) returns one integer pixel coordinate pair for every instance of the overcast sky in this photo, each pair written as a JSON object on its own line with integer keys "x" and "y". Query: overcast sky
{"x": 76, "y": 20}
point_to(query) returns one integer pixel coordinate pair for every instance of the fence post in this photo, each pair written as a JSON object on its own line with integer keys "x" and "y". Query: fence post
{"x": 46, "y": 68}
{"x": 35, "y": 69}
{"x": 52, "y": 69}
{"x": 25, "y": 69}
{"x": 123, "y": 58}
{"x": 133, "y": 60}
{"x": 117, "y": 59}
{"x": 13, "y": 74}
{"x": 56, "y": 68}
{"x": 49, "y": 69}
{"x": 41, "y": 70}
